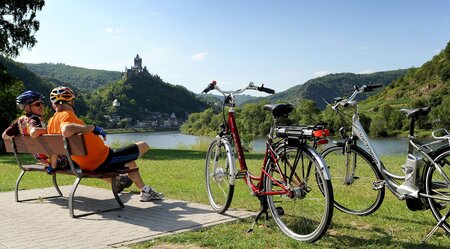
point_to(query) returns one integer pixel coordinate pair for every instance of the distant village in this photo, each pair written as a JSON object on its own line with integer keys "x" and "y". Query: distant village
{"x": 152, "y": 119}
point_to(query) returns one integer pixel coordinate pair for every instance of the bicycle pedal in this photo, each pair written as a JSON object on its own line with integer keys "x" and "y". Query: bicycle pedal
{"x": 240, "y": 174}
{"x": 377, "y": 185}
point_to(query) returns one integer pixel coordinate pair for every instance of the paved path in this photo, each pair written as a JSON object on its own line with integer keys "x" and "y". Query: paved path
{"x": 47, "y": 224}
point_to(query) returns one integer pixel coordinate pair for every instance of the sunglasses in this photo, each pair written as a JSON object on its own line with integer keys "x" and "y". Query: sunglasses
{"x": 38, "y": 104}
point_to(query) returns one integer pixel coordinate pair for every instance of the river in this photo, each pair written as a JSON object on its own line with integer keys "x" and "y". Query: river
{"x": 174, "y": 139}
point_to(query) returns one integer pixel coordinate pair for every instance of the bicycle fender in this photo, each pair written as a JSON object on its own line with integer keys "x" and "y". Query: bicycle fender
{"x": 231, "y": 159}
{"x": 319, "y": 159}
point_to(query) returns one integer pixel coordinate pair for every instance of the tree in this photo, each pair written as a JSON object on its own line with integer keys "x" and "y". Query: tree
{"x": 305, "y": 113}
{"x": 18, "y": 24}
{"x": 9, "y": 88}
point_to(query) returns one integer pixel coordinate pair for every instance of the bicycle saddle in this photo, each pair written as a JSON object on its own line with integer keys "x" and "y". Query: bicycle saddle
{"x": 279, "y": 110}
{"x": 416, "y": 112}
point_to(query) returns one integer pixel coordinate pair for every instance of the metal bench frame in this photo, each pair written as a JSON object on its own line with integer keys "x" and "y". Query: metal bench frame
{"x": 57, "y": 144}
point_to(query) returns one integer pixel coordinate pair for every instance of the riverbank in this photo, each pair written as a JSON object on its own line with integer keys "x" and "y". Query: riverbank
{"x": 140, "y": 130}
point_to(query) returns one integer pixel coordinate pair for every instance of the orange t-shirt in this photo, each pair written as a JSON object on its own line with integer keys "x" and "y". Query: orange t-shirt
{"x": 96, "y": 148}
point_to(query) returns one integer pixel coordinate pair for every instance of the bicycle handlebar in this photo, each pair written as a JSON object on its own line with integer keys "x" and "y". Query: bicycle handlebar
{"x": 213, "y": 86}
{"x": 349, "y": 102}
{"x": 266, "y": 90}
{"x": 210, "y": 87}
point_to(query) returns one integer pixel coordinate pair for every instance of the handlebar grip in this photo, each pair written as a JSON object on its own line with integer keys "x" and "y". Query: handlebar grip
{"x": 372, "y": 87}
{"x": 266, "y": 90}
{"x": 210, "y": 87}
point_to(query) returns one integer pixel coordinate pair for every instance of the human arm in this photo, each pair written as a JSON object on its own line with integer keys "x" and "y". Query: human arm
{"x": 70, "y": 129}
{"x": 11, "y": 131}
{"x": 5, "y": 134}
{"x": 53, "y": 164}
{"x": 37, "y": 131}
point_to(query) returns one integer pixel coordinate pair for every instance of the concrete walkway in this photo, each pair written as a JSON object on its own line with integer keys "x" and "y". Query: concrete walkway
{"x": 47, "y": 224}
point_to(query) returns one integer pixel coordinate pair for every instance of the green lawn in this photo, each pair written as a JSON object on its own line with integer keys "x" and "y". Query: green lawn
{"x": 179, "y": 175}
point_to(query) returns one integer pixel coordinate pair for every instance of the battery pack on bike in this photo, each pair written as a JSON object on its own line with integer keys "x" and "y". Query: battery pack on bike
{"x": 292, "y": 133}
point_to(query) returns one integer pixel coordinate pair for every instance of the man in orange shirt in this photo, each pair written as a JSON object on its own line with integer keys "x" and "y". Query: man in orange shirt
{"x": 100, "y": 157}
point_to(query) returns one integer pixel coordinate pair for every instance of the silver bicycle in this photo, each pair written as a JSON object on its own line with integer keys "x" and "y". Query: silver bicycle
{"x": 359, "y": 177}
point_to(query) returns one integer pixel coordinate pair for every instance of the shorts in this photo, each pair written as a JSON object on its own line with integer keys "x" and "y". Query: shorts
{"x": 117, "y": 158}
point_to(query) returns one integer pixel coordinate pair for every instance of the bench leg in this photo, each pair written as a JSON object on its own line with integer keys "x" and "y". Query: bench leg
{"x": 17, "y": 185}
{"x": 55, "y": 183}
{"x": 72, "y": 197}
{"x": 16, "y": 191}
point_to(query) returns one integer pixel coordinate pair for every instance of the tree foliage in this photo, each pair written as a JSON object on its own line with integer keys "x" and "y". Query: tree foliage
{"x": 9, "y": 88}
{"x": 18, "y": 25}
{"x": 80, "y": 77}
{"x": 142, "y": 95}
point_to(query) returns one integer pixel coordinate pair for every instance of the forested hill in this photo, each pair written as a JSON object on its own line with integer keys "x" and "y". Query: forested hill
{"x": 30, "y": 80}
{"x": 82, "y": 78}
{"x": 334, "y": 85}
{"x": 141, "y": 95}
{"x": 426, "y": 85}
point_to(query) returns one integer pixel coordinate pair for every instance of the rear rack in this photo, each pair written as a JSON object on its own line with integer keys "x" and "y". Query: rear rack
{"x": 309, "y": 131}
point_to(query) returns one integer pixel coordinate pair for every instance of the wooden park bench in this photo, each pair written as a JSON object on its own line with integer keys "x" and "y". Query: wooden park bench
{"x": 57, "y": 144}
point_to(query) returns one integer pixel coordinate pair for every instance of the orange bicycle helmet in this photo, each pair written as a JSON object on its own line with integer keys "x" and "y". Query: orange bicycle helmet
{"x": 61, "y": 94}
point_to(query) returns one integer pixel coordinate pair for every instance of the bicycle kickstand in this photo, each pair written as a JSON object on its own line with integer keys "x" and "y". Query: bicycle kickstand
{"x": 437, "y": 226}
{"x": 264, "y": 208}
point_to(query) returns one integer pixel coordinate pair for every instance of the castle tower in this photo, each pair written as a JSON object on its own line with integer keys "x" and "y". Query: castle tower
{"x": 138, "y": 63}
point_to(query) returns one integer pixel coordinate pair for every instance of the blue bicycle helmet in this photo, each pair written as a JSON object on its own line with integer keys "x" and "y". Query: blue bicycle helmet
{"x": 27, "y": 98}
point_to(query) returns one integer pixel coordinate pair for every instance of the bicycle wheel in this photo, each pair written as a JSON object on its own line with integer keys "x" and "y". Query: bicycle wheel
{"x": 354, "y": 193}
{"x": 217, "y": 173}
{"x": 305, "y": 212}
{"x": 437, "y": 187}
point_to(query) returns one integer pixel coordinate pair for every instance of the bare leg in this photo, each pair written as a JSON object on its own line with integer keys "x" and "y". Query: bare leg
{"x": 135, "y": 176}
{"x": 143, "y": 148}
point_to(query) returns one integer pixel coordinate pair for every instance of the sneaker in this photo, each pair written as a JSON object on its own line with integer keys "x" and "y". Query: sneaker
{"x": 123, "y": 182}
{"x": 151, "y": 195}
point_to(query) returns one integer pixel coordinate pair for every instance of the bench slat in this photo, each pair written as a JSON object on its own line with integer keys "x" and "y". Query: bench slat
{"x": 48, "y": 144}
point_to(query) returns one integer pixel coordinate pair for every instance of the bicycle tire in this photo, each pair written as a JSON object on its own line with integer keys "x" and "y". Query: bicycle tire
{"x": 436, "y": 186}
{"x": 354, "y": 196}
{"x": 306, "y": 212}
{"x": 217, "y": 174}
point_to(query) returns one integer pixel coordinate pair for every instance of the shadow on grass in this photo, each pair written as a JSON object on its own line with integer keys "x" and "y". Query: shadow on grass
{"x": 384, "y": 239}
{"x": 172, "y": 154}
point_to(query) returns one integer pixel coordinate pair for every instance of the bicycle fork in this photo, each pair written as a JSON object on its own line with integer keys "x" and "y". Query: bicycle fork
{"x": 350, "y": 165}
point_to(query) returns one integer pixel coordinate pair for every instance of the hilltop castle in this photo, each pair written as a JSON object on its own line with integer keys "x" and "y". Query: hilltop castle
{"x": 137, "y": 68}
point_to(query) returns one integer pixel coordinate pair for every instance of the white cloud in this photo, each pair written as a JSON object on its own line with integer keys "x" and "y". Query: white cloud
{"x": 367, "y": 71}
{"x": 362, "y": 48}
{"x": 321, "y": 73}
{"x": 199, "y": 56}
{"x": 114, "y": 32}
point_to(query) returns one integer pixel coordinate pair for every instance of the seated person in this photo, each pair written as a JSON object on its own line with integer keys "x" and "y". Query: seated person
{"x": 31, "y": 123}
{"x": 100, "y": 157}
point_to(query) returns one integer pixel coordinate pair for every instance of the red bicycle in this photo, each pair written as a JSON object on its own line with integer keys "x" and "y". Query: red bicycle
{"x": 294, "y": 182}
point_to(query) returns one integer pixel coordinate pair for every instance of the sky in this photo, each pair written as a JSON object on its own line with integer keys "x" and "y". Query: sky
{"x": 278, "y": 43}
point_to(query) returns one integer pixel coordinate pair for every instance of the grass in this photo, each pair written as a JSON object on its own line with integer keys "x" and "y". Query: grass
{"x": 179, "y": 175}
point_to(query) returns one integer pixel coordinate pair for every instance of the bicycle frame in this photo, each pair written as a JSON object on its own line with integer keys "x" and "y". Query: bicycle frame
{"x": 359, "y": 132}
{"x": 257, "y": 189}
{"x": 413, "y": 146}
